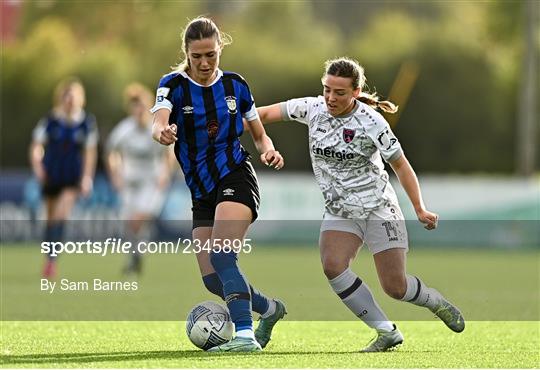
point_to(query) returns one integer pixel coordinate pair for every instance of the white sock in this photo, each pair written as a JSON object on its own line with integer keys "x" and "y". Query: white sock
{"x": 421, "y": 295}
{"x": 271, "y": 309}
{"x": 245, "y": 333}
{"x": 356, "y": 295}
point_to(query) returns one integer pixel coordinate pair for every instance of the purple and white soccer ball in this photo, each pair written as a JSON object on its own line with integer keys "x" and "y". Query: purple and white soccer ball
{"x": 209, "y": 324}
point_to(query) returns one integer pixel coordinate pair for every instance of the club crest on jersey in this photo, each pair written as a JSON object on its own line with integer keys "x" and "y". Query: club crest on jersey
{"x": 348, "y": 135}
{"x": 231, "y": 104}
{"x": 212, "y": 128}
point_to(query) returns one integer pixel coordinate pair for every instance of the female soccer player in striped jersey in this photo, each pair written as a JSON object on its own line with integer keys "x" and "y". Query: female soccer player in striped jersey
{"x": 347, "y": 137}
{"x": 63, "y": 157}
{"x": 200, "y": 108}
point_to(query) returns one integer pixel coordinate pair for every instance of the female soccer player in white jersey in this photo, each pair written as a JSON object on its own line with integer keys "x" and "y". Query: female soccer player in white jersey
{"x": 347, "y": 137}
{"x": 139, "y": 168}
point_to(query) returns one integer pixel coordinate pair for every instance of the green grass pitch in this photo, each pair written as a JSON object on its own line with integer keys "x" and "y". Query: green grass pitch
{"x": 497, "y": 291}
{"x": 295, "y": 345}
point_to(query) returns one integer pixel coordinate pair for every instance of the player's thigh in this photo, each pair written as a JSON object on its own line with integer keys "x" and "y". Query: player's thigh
{"x": 64, "y": 203}
{"x": 338, "y": 249}
{"x": 340, "y": 238}
{"x": 231, "y": 221}
{"x": 202, "y": 235}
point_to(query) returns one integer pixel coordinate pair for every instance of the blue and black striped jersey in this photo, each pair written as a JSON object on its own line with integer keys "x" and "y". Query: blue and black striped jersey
{"x": 209, "y": 122}
{"x": 64, "y": 143}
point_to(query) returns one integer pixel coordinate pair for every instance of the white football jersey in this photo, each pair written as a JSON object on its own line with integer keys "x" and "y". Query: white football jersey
{"x": 142, "y": 157}
{"x": 346, "y": 155}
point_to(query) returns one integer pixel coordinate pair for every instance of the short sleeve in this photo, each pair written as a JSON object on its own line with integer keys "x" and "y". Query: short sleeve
{"x": 247, "y": 103}
{"x": 93, "y": 136}
{"x": 383, "y": 137}
{"x": 39, "y": 135}
{"x": 251, "y": 114}
{"x": 300, "y": 109}
{"x": 163, "y": 95}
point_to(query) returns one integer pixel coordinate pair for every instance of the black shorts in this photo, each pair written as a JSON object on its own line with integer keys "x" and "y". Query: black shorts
{"x": 54, "y": 190}
{"x": 240, "y": 186}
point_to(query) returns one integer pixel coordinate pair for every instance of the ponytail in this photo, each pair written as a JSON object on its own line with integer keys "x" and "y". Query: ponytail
{"x": 373, "y": 101}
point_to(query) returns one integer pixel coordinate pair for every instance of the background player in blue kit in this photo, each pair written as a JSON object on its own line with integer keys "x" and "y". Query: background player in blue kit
{"x": 200, "y": 108}
{"x": 347, "y": 138}
{"x": 63, "y": 157}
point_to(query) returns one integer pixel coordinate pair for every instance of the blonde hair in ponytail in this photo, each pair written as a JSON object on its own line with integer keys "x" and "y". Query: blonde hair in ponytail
{"x": 350, "y": 68}
{"x": 373, "y": 101}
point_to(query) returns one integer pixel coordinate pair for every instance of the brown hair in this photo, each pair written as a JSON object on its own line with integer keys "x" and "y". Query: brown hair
{"x": 350, "y": 68}
{"x": 198, "y": 29}
{"x": 136, "y": 92}
{"x": 63, "y": 86}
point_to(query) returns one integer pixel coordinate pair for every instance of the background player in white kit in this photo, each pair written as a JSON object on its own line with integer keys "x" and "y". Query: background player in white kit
{"x": 347, "y": 137}
{"x": 139, "y": 168}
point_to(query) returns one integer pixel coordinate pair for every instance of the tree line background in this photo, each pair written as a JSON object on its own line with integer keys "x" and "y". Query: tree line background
{"x": 462, "y": 60}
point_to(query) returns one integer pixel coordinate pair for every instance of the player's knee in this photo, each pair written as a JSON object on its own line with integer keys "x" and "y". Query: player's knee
{"x": 333, "y": 267}
{"x": 395, "y": 288}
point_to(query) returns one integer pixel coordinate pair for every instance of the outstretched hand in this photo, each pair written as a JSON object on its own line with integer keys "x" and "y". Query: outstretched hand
{"x": 273, "y": 159}
{"x": 429, "y": 219}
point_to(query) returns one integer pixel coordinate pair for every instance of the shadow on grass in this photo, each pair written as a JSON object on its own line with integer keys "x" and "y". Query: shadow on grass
{"x": 139, "y": 355}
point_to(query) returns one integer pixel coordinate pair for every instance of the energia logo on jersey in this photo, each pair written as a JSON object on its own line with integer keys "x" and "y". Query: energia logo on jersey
{"x": 331, "y": 153}
{"x": 231, "y": 104}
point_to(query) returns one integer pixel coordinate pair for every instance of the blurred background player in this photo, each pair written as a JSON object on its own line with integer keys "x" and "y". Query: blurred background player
{"x": 63, "y": 158}
{"x": 139, "y": 169}
{"x": 347, "y": 137}
{"x": 200, "y": 108}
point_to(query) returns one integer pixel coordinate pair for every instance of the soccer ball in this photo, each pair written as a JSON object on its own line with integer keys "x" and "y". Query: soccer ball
{"x": 209, "y": 324}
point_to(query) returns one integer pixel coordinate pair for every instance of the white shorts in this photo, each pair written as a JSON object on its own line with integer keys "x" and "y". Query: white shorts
{"x": 142, "y": 198}
{"x": 383, "y": 229}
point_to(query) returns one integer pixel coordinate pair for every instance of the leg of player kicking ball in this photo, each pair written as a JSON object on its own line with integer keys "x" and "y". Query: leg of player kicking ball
{"x": 338, "y": 249}
{"x": 271, "y": 310}
{"x": 260, "y": 303}
{"x": 231, "y": 223}
{"x": 391, "y": 270}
